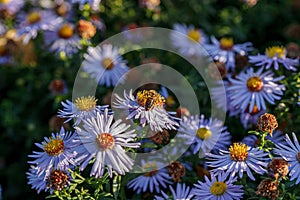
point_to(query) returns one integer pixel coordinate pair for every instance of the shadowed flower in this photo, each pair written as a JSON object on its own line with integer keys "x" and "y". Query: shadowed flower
{"x": 105, "y": 65}
{"x": 58, "y": 87}
{"x": 249, "y": 89}
{"x": 63, "y": 39}
{"x": 82, "y": 108}
{"x": 188, "y": 40}
{"x": 152, "y": 181}
{"x": 220, "y": 187}
{"x": 291, "y": 153}
{"x": 274, "y": 56}
{"x": 239, "y": 158}
{"x": 58, "y": 152}
{"x": 34, "y": 21}
{"x": 182, "y": 192}
{"x": 104, "y": 142}
{"x": 147, "y": 106}
{"x": 206, "y": 134}
{"x": 225, "y": 50}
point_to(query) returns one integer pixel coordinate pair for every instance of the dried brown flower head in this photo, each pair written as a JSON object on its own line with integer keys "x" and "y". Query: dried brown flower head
{"x": 268, "y": 188}
{"x": 267, "y": 123}
{"x": 86, "y": 29}
{"x": 176, "y": 171}
{"x": 278, "y": 167}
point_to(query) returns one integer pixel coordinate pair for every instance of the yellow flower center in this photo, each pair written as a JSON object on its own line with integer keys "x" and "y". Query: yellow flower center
{"x": 194, "y": 35}
{"x": 4, "y": 1}
{"x": 226, "y": 43}
{"x": 33, "y": 17}
{"x": 255, "y": 84}
{"x": 218, "y": 188}
{"x": 85, "y": 103}
{"x": 54, "y": 147}
{"x": 238, "y": 152}
{"x": 105, "y": 141}
{"x": 150, "y": 99}
{"x": 65, "y": 31}
{"x": 203, "y": 133}
{"x": 107, "y": 63}
{"x": 277, "y": 51}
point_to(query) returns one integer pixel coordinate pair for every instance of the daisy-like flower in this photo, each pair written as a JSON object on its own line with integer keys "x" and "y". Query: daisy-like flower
{"x": 249, "y": 89}
{"x": 151, "y": 181}
{"x": 104, "y": 141}
{"x": 182, "y": 192}
{"x": 220, "y": 187}
{"x": 11, "y": 6}
{"x": 206, "y": 134}
{"x": 82, "y": 108}
{"x": 147, "y": 106}
{"x": 33, "y": 22}
{"x": 63, "y": 39}
{"x": 274, "y": 56}
{"x": 188, "y": 39}
{"x": 291, "y": 153}
{"x": 58, "y": 152}
{"x": 51, "y": 180}
{"x": 105, "y": 64}
{"x": 225, "y": 50}
{"x": 239, "y": 158}
{"x": 93, "y": 3}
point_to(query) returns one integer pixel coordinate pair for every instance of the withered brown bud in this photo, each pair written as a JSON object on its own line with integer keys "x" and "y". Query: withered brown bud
{"x": 162, "y": 137}
{"x": 268, "y": 188}
{"x": 57, "y": 180}
{"x": 267, "y": 123}
{"x": 176, "y": 171}
{"x": 278, "y": 167}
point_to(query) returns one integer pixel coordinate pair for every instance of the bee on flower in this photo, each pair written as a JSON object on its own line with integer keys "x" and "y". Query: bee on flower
{"x": 148, "y": 107}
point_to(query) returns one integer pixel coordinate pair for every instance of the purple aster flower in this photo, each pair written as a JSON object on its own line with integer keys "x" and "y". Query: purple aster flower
{"x": 220, "y": 187}
{"x": 34, "y": 21}
{"x": 291, "y": 153}
{"x": 147, "y": 106}
{"x": 11, "y": 6}
{"x": 104, "y": 142}
{"x": 274, "y": 56}
{"x": 151, "y": 181}
{"x": 82, "y": 108}
{"x": 182, "y": 192}
{"x": 247, "y": 118}
{"x": 225, "y": 50}
{"x": 249, "y": 89}
{"x": 206, "y": 134}
{"x": 188, "y": 40}
{"x": 239, "y": 158}
{"x": 58, "y": 152}
{"x": 112, "y": 66}
{"x": 63, "y": 39}
{"x": 53, "y": 180}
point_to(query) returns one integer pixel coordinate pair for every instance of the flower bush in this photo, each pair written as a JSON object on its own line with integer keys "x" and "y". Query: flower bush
{"x": 72, "y": 130}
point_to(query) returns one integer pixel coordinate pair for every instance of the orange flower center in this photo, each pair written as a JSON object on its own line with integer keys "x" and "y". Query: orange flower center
{"x": 107, "y": 63}
{"x": 238, "y": 152}
{"x": 105, "y": 141}
{"x": 255, "y": 84}
{"x": 65, "y": 31}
